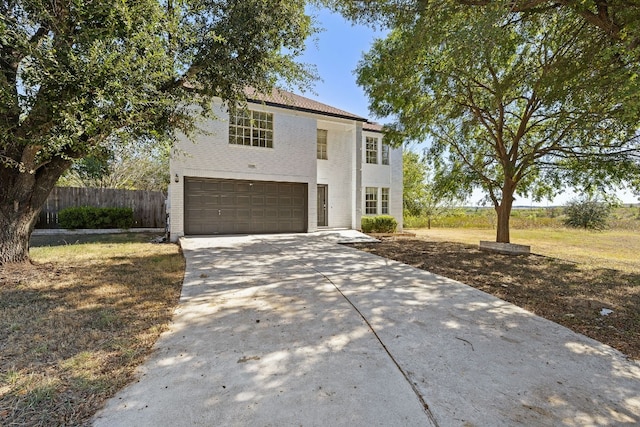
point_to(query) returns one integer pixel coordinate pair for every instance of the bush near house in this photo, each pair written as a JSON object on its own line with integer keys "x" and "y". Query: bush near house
{"x": 92, "y": 217}
{"x": 379, "y": 224}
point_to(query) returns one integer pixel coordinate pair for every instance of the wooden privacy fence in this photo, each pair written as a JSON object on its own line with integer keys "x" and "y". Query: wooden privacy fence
{"x": 148, "y": 206}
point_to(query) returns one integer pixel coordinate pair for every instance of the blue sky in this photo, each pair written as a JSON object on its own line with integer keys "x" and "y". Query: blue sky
{"x": 336, "y": 52}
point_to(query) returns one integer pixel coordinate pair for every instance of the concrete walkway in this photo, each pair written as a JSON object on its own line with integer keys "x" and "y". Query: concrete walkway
{"x": 297, "y": 330}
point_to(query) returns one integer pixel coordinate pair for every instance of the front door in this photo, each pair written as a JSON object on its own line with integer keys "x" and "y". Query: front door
{"x": 322, "y": 205}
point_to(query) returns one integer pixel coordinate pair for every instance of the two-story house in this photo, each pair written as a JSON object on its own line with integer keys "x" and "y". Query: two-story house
{"x": 287, "y": 164}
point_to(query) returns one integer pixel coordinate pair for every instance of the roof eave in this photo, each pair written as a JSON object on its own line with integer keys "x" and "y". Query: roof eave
{"x": 306, "y": 110}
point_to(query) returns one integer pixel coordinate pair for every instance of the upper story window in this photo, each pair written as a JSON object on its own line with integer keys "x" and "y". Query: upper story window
{"x": 322, "y": 144}
{"x": 371, "y": 154}
{"x": 252, "y": 128}
{"x": 384, "y": 154}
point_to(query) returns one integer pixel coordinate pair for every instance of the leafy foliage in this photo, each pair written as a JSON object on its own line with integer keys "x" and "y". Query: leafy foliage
{"x": 426, "y": 192}
{"x": 587, "y": 213}
{"x": 124, "y": 167}
{"x": 618, "y": 20}
{"x": 379, "y": 224}
{"x": 414, "y": 183}
{"x": 92, "y": 217}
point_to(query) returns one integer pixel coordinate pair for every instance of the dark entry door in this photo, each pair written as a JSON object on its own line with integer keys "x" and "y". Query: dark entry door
{"x": 322, "y": 205}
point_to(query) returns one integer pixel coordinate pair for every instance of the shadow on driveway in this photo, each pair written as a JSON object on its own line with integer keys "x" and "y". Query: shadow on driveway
{"x": 298, "y": 330}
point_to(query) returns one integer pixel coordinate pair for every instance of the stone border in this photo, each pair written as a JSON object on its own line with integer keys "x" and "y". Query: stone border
{"x": 505, "y": 248}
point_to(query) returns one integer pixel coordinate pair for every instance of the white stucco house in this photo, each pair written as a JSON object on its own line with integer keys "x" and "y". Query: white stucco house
{"x": 289, "y": 164}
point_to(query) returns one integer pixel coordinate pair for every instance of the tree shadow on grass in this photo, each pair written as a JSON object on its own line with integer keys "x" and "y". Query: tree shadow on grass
{"x": 72, "y": 335}
{"x": 42, "y": 240}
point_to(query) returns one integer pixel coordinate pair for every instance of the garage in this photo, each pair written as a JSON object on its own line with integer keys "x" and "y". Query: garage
{"x": 225, "y": 206}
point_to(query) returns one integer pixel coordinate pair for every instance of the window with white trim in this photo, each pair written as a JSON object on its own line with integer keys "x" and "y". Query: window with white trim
{"x": 371, "y": 148}
{"x": 251, "y": 128}
{"x": 384, "y": 201}
{"x": 322, "y": 144}
{"x": 371, "y": 201}
{"x": 385, "y": 154}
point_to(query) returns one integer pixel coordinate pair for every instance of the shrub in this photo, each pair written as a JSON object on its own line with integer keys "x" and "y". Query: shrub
{"x": 587, "y": 214}
{"x": 92, "y": 217}
{"x": 379, "y": 224}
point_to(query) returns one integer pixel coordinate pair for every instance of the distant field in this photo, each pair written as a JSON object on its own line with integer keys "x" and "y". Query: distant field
{"x": 614, "y": 249}
{"x": 622, "y": 218}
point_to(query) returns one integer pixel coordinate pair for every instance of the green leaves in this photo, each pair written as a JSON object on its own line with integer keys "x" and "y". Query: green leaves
{"x": 74, "y": 74}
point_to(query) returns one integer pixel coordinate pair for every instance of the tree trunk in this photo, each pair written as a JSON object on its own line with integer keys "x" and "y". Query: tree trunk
{"x": 504, "y": 214}
{"x": 15, "y": 230}
{"x": 22, "y": 196}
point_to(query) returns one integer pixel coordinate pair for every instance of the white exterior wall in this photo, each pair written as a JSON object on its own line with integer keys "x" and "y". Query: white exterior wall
{"x": 384, "y": 176}
{"x": 292, "y": 159}
{"x": 336, "y": 172}
{"x": 397, "y": 186}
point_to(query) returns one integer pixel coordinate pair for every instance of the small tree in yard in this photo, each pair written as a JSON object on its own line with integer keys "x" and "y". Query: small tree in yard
{"x": 587, "y": 213}
{"x": 78, "y": 77}
{"x": 414, "y": 186}
{"x": 424, "y": 192}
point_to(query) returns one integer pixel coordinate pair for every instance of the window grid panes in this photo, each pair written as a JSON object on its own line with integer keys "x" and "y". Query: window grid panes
{"x": 322, "y": 144}
{"x": 384, "y": 201}
{"x": 385, "y": 154}
{"x": 372, "y": 150}
{"x": 371, "y": 201}
{"x": 251, "y": 128}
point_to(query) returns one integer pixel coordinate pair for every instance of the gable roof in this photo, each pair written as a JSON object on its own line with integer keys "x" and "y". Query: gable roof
{"x": 282, "y": 98}
{"x": 372, "y": 127}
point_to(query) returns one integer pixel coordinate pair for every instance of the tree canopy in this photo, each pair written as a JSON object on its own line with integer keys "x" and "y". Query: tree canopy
{"x": 513, "y": 102}
{"x": 79, "y": 76}
{"x": 618, "y": 20}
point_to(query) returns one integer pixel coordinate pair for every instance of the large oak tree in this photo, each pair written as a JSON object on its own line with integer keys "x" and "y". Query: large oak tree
{"x": 77, "y": 76}
{"x": 513, "y": 102}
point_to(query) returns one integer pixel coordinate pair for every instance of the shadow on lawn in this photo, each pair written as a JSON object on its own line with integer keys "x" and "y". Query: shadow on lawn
{"x": 74, "y": 239}
{"x": 72, "y": 335}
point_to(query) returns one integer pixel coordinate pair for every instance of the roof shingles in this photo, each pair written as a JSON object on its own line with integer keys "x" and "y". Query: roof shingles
{"x": 284, "y": 99}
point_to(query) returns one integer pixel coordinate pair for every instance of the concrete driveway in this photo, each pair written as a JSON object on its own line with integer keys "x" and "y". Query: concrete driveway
{"x": 298, "y": 330}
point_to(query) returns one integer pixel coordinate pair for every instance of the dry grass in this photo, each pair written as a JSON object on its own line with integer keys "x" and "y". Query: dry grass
{"x": 570, "y": 285}
{"x": 76, "y": 323}
{"x": 615, "y": 249}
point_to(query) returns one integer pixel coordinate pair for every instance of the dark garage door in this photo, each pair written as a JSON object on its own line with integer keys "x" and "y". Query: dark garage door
{"x": 223, "y": 206}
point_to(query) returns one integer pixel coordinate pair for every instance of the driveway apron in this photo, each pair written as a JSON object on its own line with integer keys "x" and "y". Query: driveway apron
{"x": 299, "y": 330}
